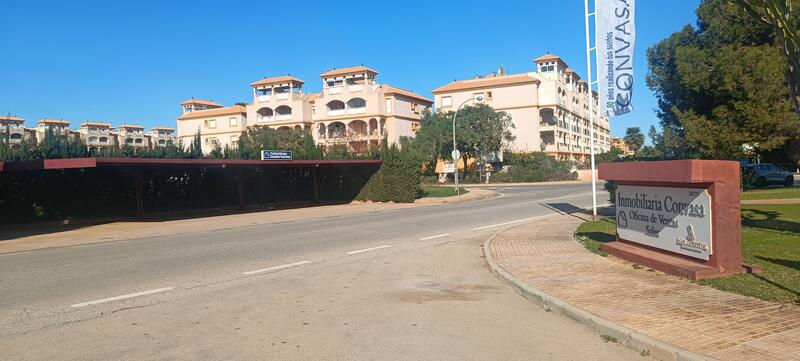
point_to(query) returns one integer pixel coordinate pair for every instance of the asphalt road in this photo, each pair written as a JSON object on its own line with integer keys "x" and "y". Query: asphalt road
{"x": 397, "y": 284}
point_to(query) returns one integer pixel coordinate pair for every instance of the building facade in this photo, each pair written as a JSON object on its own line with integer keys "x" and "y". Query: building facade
{"x": 549, "y": 108}
{"x": 353, "y": 110}
{"x": 96, "y": 135}
{"x": 12, "y": 128}
{"x": 218, "y": 126}
{"x": 622, "y": 146}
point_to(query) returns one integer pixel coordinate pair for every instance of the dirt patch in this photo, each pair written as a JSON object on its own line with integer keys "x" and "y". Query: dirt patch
{"x": 434, "y": 291}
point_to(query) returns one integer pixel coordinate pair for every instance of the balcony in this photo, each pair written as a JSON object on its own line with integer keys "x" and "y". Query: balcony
{"x": 264, "y": 118}
{"x": 335, "y": 90}
{"x": 263, "y": 98}
{"x": 355, "y": 88}
{"x": 547, "y": 127}
{"x": 335, "y": 112}
{"x": 282, "y": 96}
{"x": 360, "y": 110}
{"x": 280, "y": 117}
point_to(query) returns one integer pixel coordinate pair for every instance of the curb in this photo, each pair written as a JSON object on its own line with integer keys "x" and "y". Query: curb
{"x": 625, "y": 336}
{"x": 456, "y": 199}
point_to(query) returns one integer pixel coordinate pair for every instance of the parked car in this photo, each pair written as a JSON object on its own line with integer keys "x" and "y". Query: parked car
{"x": 765, "y": 174}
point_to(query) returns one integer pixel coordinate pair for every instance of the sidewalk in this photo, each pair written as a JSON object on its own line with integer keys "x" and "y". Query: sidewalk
{"x": 670, "y": 317}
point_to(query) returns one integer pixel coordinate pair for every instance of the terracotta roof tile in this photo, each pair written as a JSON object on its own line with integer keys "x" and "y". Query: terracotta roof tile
{"x": 201, "y": 102}
{"x": 52, "y": 121}
{"x": 547, "y": 57}
{"x": 348, "y": 71}
{"x": 389, "y": 90}
{"x": 11, "y": 118}
{"x": 95, "y": 124}
{"x": 277, "y": 80}
{"x": 236, "y": 109}
{"x": 487, "y": 83}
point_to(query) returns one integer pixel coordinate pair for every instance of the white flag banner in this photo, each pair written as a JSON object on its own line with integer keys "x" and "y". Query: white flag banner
{"x": 615, "y": 40}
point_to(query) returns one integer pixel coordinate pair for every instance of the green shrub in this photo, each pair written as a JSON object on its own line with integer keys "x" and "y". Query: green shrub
{"x": 398, "y": 179}
{"x": 538, "y": 167}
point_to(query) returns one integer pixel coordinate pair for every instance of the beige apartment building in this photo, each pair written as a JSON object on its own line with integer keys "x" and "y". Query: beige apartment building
{"x": 12, "y": 128}
{"x": 133, "y": 135}
{"x": 58, "y": 126}
{"x": 97, "y": 134}
{"x": 218, "y": 126}
{"x": 549, "y": 108}
{"x": 353, "y": 110}
{"x": 161, "y": 136}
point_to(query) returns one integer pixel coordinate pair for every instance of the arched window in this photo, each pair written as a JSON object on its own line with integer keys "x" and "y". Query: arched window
{"x": 139, "y": 141}
{"x": 283, "y": 112}
{"x": 335, "y": 107}
{"x": 16, "y": 136}
{"x": 103, "y": 140}
{"x": 92, "y": 140}
{"x": 129, "y": 141}
{"x": 264, "y": 114}
{"x": 356, "y": 103}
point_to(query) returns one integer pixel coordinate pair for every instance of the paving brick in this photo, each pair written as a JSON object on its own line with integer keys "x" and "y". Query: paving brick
{"x": 697, "y": 318}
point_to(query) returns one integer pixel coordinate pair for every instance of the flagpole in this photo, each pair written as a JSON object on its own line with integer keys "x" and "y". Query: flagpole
{"x": 591, "y": 103}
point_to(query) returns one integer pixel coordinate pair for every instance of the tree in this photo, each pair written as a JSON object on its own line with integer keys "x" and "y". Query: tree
{"x": 196, "y": 147}
{"x": 480, "y": 130}
{"x": 634, "y": 139}
{"x": 722, "y": 86}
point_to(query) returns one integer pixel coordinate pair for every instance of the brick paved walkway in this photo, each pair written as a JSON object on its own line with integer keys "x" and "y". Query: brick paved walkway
{"x": 700, "y": 319}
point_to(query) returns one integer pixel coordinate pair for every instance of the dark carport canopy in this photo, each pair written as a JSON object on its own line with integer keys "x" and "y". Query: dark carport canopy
{"x": 137, "y": 165}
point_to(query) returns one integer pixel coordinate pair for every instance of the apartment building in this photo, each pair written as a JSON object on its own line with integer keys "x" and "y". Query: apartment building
{"x": 353, "y": 110}
{"x": 161, "y": 136}
{"x": 133, "y": 135}
{"x": 623, "y": 147}
{"x": 97, "y": 135}
{"x": 12, "y": 129}
{"x": 218, "y": 126}
{"x": 57, "y": 126}
{"x": 549, "y": 108}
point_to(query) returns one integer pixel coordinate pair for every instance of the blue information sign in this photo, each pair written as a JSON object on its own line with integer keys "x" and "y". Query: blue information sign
{"x": 276, "y": 155}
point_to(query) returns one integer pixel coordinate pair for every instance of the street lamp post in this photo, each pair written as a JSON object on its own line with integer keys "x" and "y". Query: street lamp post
{"x": 456, "y": 153}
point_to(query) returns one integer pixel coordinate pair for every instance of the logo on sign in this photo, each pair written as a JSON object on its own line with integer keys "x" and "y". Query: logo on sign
{"x": 622, "y": 220}
{"x": 276, "y": 155}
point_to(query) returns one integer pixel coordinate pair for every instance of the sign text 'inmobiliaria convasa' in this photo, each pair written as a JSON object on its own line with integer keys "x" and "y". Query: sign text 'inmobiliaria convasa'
{"x": 614, "y": 42}
{"x": 673, "y": 219}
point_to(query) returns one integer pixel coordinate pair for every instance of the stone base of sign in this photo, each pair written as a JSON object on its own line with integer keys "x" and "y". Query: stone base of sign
{"x": 666, "y": 263}
{"x": 721, "y": 179}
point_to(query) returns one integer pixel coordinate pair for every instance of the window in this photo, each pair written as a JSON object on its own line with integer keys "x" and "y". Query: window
{"x": 489, "y": 95}
{"x": 388, "y": 105}
{"x": 414, "y": 127}
{"x": 214, "y": 141}
{"x": 212, "y": 123}
{"x": 232, "y": 122}
{"x": 447, "y": 102}
{"x": 234, "y": 140}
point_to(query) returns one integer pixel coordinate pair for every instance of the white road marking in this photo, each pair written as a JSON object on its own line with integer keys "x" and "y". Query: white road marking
{"x": 369, "y": 249}
{"x": 512, "y": 222}
{"x": 276, "y": 268}
{"x": 117, "y": 298}
{"x": 436, "y": 236}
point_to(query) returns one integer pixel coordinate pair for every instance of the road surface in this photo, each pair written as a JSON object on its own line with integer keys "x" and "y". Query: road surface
{"x": 404, "y": 284}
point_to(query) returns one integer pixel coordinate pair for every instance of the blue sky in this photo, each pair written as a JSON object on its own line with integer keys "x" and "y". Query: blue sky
{"x": 134, "y": 61}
